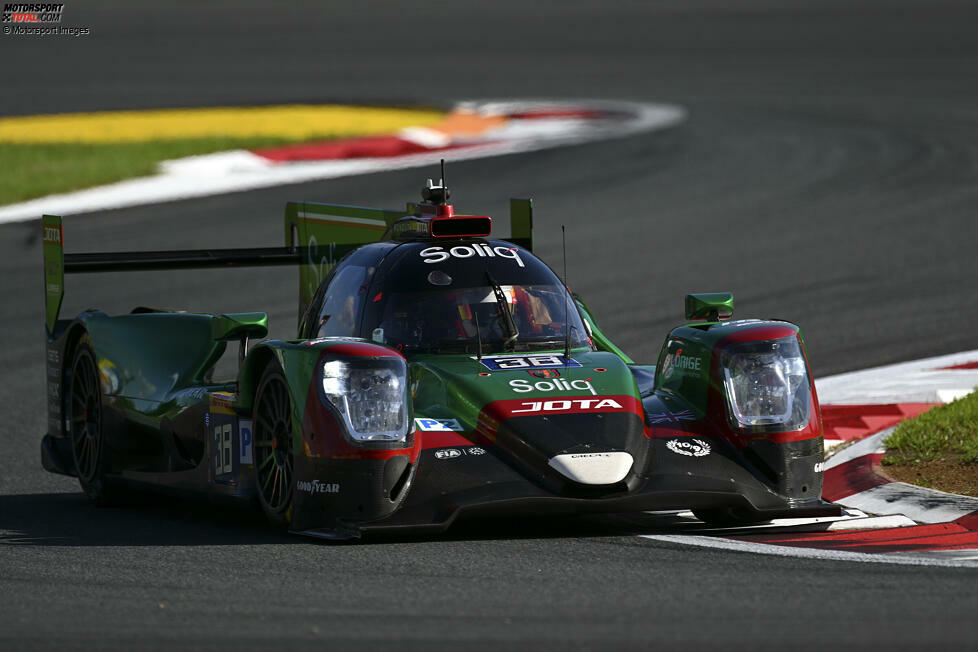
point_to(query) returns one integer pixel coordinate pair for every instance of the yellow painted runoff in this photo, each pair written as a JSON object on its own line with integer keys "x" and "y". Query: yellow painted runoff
{"x": 293, "y": 122}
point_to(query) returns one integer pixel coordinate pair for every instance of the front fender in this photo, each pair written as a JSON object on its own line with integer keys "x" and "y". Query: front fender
{"x": 336, "y": 480}
{"x": 690, "y": 369}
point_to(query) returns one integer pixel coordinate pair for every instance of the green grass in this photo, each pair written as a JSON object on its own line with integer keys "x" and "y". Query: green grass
{"x": 946, "y": 432}
{"x": 31, "y": 171}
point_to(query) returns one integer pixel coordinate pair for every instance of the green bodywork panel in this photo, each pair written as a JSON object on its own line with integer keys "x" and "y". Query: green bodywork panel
{"x": 445, "y": 386}
{"x": 238, "y": 325}
{"x": 150, "y": 356}
{"x": 450, "y": 387}
{"x": 158, "y": 362}
{"x": 54, "y": 270}
{"x": 601, "y": 341}
{"x": 521, "y": 222}
{"x": 155, "y": 365}
{"x": 686, "y": 358}
{"x": 329, "y": 232}
{"x": 298, "y": 361}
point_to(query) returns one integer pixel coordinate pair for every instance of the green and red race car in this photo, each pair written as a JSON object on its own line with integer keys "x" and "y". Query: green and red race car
{"x": 437, "y": 373}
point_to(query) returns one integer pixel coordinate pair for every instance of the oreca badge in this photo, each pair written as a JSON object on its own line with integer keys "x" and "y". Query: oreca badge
{"x": 528, "y": 362}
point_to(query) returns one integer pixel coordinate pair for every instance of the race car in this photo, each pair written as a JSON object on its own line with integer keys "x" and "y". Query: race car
{"x": 438, "y": 373}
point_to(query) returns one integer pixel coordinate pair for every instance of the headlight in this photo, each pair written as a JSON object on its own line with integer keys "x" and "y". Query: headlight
{"x": 767, "y": 385}
{"x": 370, "y": 396}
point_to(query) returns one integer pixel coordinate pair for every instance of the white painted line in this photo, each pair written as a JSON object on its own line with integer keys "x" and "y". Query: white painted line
{"x": 426, "y": 137}
{"x": 872, "y": 523}
{"x": 828, "y": 445}
{"x": 239, "y": 170}
{"x": 852, "y": 520}
{"x": 917, "y": 381}
{"x": 239, "y": 161}
{"x": 950, "y": 395}
{"x": 916, "y": 559}
{"x": 962, "y": 555}
{"x": 319, "y": 217}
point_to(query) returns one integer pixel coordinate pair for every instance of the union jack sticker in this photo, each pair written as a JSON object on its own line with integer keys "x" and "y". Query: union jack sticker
{"x": 671, "y": 417}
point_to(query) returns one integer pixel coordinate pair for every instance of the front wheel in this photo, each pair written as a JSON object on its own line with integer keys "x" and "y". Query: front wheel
{"x": 273, "y": 445}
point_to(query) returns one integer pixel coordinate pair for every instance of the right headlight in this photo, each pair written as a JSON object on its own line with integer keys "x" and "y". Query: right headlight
{"x": 370, "y": 396}
{"x": 767, "y": 385}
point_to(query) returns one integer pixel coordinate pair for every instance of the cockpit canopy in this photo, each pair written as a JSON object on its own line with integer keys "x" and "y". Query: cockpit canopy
{"x": 454, "y": 296}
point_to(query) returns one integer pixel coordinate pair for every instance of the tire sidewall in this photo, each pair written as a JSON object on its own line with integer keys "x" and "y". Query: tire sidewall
{"x": 96, "y": 487}
{"x": 280, "y": 518}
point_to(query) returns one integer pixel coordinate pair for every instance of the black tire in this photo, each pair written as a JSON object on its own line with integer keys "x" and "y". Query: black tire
{"x": 85, "y": 411}
{"x": 273, "y": 446}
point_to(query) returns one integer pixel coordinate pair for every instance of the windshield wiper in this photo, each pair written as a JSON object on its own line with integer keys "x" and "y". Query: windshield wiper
{"x": 503, "y": 306}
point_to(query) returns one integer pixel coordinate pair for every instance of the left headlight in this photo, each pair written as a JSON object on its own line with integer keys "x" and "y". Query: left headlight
{"x": 370, "y": 396}
{"x": 767, "y": 385}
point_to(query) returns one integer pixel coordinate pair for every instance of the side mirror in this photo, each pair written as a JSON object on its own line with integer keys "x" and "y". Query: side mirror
{"x": 711, "y": 306}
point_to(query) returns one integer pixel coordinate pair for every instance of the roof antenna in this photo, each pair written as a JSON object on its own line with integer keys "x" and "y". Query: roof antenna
{"x": 443, "y": 174}
{"x": 478, "y": 335}
{"x": 567, "y": 330}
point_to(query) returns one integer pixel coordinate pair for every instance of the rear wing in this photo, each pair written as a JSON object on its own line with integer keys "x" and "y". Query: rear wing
{"x": 317, "y": 236}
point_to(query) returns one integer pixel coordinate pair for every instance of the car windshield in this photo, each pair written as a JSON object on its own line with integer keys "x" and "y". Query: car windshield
{"x": 462, "y": 304}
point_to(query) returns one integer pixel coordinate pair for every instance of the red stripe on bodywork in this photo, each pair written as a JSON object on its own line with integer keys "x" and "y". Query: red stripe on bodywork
{"x": 323, "y": 436}
{"x": 716, "y": 401}
{"x": 756, "y": 334}
{"x": 691, "y": 429}
{"x": 493, "y": 414}
{"x": 441, "y": 439}
{"x": 808, "y": 432}
{"x": 362, "y": 350}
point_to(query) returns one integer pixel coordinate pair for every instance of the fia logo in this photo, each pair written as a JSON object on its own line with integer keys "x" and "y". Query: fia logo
{"x": 447, "y": 453}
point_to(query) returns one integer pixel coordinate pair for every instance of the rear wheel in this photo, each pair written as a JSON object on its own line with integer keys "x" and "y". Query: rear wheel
{"x": 273, "y": 445}
{"x": 88, "y": 447}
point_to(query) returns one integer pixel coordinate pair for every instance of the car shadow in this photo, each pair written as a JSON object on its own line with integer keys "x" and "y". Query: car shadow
{"x": 68, "y": 519}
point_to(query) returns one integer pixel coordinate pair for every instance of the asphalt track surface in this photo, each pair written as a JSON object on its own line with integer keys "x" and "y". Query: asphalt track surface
{"x": 828, "y": 174}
